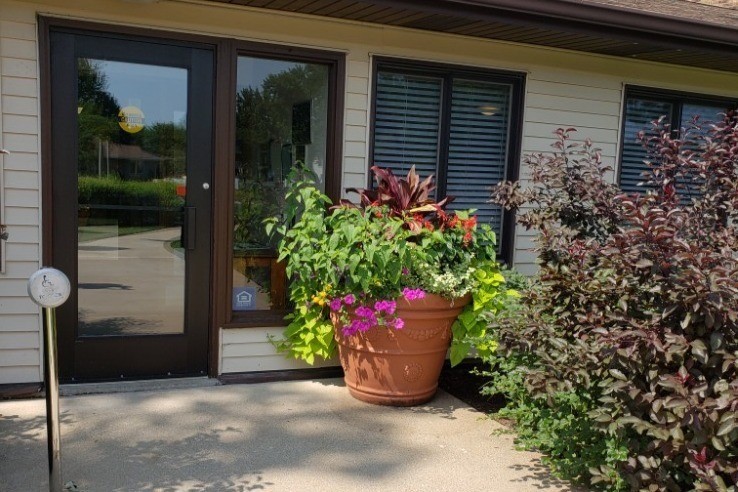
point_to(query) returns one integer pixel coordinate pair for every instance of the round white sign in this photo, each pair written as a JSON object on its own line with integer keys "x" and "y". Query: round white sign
{"x": 49, "y": 287}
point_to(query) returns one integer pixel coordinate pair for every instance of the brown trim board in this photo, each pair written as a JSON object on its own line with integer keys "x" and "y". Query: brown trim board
{"x": 273, "y": 376}
{"x": 21, "y": 390}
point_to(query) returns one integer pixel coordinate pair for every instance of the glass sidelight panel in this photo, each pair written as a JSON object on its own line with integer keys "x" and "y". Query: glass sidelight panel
{"x": 131, "y": 193}
{"x": 281, "y": 122}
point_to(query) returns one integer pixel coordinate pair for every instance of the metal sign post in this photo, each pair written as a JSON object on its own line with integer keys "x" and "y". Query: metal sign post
{"x": 50, "y": 288}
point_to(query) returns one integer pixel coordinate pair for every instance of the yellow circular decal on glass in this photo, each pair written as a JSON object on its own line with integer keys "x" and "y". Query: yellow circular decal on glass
{"x": 131, "y": 119}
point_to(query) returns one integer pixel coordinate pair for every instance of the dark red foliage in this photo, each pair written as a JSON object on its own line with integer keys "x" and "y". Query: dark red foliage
{"x": 637, "y": 302}
{"x": 407, "y": 198}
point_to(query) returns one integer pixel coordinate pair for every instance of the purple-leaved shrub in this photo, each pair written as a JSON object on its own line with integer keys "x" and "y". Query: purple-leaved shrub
{"x": 636, "y": 303}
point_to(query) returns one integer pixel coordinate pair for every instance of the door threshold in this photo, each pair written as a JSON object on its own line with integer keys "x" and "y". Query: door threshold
{"x": 140, "y": 385}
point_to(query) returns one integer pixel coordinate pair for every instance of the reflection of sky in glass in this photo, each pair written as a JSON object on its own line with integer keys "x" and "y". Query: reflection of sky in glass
{"x": 160, "y": 92}
{"x": 252, "y": 72}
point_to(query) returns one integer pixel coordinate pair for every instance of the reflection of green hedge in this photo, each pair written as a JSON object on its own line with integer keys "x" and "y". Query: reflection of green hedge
{"x": 114, "y": 191}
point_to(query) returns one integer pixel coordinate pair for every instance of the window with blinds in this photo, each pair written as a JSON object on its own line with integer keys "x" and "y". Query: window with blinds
{"x": 644, "y": 106}
{"x": 454, "y": 125}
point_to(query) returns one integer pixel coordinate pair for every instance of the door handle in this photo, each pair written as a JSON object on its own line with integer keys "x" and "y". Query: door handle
{"x": 190, "y": 228}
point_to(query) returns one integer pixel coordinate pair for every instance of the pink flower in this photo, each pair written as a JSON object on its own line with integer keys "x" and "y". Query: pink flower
{"x": 405, "y": 271}
{"x": 412, "y": 294}
{"x": 349, "y": 299}
{"x": 398, "y": 324}
{"x": 364, "y": 312}
{"x": 335, "y": 304}
{"x": 386, "y": 306}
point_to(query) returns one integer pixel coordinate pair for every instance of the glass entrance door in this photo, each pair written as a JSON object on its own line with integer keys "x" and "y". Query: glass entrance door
{"x": 132, "y": 142}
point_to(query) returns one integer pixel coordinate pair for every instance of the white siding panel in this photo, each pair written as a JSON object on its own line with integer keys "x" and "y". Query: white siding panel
{"x": 356, "y": 101}
{"x": 248, "y": 349}
{"x": 18, "y": 305}
{"x": 19, "y": 340}
{"x": 20, "y": 179}
{"x": 24, "y": 234}
{"x": 354, "y": 181}
{"x": 20, "y": 124}
{"x": 20, "y": 216}
{"x": 22, "y": 161}
{"x": 18, "y": 86}
{"x": 357, "y": 85}
{"x": 19, "y": 105}
{"x": 543, "y": 144}
{"x": 19, "y": 323}
{"x": 12, "y": 287}
{"x": 18, "y": 30}
{"x": 19, "y": 374}
{"x": 22, "y": 252}
{"x": 20, "y": 337}
{"x": 570, "y": 90}
{"x": 21, "y": 198}
{"x": 16, "y": 142}
{"x": 358, "y": 68}
{"x": 18, "y": 357}
{"x": 547, "y": 130}
{"x": 355, "y": 149}
{"x": 355, "y": 117}
{"x": 572, "y": 119}
{"x": 355, "y": 133}
{"x": 18, "y": 48}
{"x": 588, "y": 102}
{"x": 572, "y": 104}
{"x": 355, "y": 165}
{"x": 19, "y": 67}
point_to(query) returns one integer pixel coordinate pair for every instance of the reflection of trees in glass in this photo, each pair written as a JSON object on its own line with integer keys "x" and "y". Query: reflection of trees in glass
{"x": 265, "y": 146}
{"x": 97, "y": 115}
{"x": 160, "y": 146}
{"x": 264, "y": 119}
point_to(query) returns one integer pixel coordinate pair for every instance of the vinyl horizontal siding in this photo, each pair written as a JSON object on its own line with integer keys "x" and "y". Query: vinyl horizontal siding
{"x": 554, "y": 99}
{"x": 248, "y": 349}
{"x": 20, "y": 336}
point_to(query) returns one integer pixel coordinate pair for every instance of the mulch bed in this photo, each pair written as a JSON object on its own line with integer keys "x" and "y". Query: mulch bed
{"x": 459, "y": 382}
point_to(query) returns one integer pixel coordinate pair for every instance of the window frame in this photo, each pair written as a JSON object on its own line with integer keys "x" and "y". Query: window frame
{"x": 676, "y": 98}
{"x": 447, "y": 73}
{"x": 336, "y": 63}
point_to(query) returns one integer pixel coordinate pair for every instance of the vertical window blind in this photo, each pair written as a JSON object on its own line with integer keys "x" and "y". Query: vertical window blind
{"x": 477, "y": 149}
{"x": 469, "y": 147}
{"x": 407, "y": 121}
{"x": 640, "y": 112}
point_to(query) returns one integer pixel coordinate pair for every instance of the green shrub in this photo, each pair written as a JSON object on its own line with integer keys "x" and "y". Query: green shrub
{"x": 632, "y": 329}
{"x": 114, "y": 191}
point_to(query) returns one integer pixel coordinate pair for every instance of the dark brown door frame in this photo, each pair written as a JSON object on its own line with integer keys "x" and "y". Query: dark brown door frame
{"x": 226, "y": 52}
{"x": 46, "y": 24}
{"x": 336, "y": 61}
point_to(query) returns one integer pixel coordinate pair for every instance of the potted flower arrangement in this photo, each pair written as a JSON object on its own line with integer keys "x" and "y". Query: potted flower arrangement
{"x": 387, "y": 281}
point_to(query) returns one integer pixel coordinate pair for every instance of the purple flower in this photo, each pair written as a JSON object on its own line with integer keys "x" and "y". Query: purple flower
{"x": 405, "y": 271}
{"x": 398, "y": 324}
{"x": 386, "y": 306}
{"x": 349, "y": 299}
{"x": 335, "y": 304}
{"x": 364, "y": 312}
{"x": 351, "y": 328}
{"x": 412, "y": 294}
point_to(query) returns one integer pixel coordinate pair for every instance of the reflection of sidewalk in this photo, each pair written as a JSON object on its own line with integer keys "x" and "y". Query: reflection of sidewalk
{"x": 289, "y": 436}
{"x": 131, "y": 284}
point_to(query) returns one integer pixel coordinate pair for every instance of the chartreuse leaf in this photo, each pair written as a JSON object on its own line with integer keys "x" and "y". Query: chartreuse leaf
{"x": 459, "y": 351}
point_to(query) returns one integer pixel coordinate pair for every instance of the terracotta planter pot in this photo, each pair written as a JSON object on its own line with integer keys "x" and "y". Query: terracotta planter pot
{"x": 385, "y": 366}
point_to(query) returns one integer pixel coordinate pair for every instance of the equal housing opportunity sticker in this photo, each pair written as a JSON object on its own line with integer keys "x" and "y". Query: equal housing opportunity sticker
{"x": 131, "y": 119}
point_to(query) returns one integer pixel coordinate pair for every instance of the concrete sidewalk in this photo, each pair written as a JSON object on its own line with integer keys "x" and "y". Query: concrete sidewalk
{"x": 287, "y": 436}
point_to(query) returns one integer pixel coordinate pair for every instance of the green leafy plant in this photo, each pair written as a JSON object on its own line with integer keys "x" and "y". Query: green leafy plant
{"x": 397, "y": 242}
{"x": 634, "y": 318}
